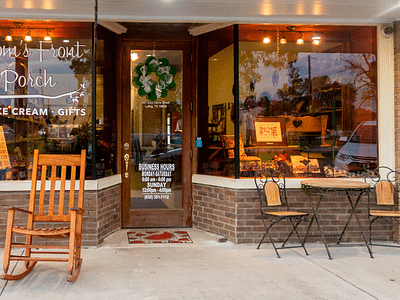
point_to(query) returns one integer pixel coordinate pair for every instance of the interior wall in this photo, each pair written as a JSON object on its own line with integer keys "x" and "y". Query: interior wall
{"x": 220, "y": 83}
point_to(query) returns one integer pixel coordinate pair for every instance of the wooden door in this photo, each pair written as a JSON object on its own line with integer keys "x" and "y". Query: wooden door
{"x": 156, "y": 118}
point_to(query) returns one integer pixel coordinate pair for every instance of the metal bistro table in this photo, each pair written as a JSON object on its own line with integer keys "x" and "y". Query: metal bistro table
{"x": 323, "y": 187}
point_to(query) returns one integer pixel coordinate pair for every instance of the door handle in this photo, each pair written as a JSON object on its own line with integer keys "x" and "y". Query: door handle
{"x": 126, "y": 158}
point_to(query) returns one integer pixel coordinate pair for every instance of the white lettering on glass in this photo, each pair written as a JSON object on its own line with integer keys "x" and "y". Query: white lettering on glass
{"x": 12, "y": 77}
{"x": 8, "y": 51}
{"x": 156, "y": 176}
{"x": 61, "y": 52}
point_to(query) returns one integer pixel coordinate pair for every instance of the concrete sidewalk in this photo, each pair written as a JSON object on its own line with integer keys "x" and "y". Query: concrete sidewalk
{"x": 207, "y": 269}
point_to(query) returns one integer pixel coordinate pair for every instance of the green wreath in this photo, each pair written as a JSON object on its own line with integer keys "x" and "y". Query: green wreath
{"x": 149, "y": 87}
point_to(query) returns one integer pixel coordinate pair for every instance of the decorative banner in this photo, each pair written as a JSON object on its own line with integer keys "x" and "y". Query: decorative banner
{"x": 149, "y": 87}
{"x": 4, "y": 158}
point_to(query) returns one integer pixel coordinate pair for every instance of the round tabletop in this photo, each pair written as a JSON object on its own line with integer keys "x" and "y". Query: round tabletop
{"x": 331, "y": 183}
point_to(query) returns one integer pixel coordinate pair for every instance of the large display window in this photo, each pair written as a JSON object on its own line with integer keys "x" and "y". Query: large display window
{"x": 46, "y": 94}
{"x": 307, "y": 101}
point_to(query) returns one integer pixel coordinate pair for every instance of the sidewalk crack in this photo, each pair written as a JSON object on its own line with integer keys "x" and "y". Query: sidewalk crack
{"x": 338, "y": 276}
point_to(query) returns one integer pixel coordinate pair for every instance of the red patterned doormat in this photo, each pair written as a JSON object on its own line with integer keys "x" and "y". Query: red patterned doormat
{"x": 157, "y": 237}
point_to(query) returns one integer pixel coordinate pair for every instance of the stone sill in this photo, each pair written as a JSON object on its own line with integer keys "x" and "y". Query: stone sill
{"x": 243, "y": 184}
{"x": 90, "y": 185}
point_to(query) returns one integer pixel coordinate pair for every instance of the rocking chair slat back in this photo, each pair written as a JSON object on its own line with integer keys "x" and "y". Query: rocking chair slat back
{"x": 51, "y": 202}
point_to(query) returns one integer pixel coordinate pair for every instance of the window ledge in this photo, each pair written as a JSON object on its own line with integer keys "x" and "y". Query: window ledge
{"x": 90, "y": 185}
{"x": 243, "y": 184}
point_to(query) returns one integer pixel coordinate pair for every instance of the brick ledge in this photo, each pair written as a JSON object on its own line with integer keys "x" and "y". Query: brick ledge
{"x": 90, "y": 185}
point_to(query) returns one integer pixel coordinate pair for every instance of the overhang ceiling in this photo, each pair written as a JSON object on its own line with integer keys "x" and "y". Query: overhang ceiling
{"x": 208, "y": 11}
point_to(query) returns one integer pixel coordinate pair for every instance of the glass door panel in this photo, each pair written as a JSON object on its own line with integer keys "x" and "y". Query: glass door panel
{"x": 156, "y": 130}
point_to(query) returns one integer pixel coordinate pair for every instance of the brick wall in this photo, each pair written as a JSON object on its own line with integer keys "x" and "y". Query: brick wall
{"x": 102, "y": 214}
{"x": 235, "y": 214}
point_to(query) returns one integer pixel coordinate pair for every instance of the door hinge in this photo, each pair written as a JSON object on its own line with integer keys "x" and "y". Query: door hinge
{"x": 191, "y": 154}
{"x": 191, "y": 106}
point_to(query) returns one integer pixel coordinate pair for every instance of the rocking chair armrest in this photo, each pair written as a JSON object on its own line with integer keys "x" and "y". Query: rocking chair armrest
{"x": 21, "y": 210}
{"x": 77, "y": 210}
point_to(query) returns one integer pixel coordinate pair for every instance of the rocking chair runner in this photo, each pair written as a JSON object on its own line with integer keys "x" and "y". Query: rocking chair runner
{"x": 48, "y": 210}
{"x": 271, "y": 187}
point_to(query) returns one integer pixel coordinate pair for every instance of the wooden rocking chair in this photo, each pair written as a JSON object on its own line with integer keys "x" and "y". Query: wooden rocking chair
{"x": 48, "y": 212}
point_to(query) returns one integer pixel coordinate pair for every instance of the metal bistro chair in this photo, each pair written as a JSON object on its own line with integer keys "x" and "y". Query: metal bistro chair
{"x": 48, "y": 210}
{"x": 384, "y": 197}
{"x": 271, "y": 187}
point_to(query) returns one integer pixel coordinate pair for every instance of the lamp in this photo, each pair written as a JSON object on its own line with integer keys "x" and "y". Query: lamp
{"x": 283, "y": 39}
{"x": 8, "y": 37}
{"x": 266, "y": 40}
{"x": 28, "y": 37}
{"x": 47, "y": 37}
{"x": 300, "y": 40}
{"x": 292, "y": 32}
{"x": 316, "y": 40}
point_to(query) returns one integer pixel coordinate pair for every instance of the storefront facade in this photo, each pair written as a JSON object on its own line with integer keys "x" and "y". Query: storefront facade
{"x": 314, "y": 101}
{"x": 281, "y": 137}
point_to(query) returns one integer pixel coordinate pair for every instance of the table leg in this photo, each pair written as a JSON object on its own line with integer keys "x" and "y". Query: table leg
{"x": 353, "y": 208}
{"x": 353, "y": 212}
{"x": 319, "y": 226}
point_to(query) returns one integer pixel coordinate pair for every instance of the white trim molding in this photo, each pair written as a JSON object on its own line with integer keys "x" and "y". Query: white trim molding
{"x": 114, "y": 27}
{"x": 386, "y": 112}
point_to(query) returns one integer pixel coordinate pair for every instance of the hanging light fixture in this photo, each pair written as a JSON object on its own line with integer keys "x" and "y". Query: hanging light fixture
{"x": 267, "y": 40}
{"x": 316, "y": 39}
{"x": 300, "y": 40}
{"x": 28, "y": 37}
{"x": 8, "y": 37}
{"x": 283, "y": 39}
{"x": 47, "y": 37}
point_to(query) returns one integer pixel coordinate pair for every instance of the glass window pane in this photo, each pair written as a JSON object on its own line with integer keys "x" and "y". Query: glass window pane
{"x": 304, "y": 104}
{"x": 215, "y": 115}
{"x": 308, "y": 100}
{"x": 45, "y": 94}
{"x": 156, "y": 129}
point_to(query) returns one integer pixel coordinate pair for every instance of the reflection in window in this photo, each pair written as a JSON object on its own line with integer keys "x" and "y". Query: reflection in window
{"x": 45, "y": 97}
{"x": 306, "y": 110}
